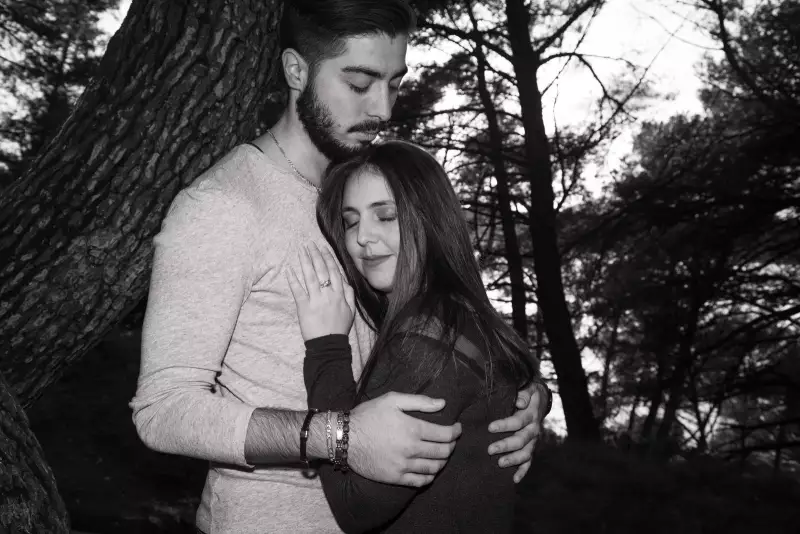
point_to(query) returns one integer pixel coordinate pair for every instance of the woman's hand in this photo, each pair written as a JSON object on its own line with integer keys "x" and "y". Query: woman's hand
{"x": 325, "y": 303}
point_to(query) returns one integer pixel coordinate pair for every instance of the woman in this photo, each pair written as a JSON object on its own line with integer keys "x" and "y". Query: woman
{"x": 394, "y": 222}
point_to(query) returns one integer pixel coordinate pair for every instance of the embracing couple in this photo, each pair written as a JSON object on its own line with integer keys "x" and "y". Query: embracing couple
{"x": 317, "y": 328}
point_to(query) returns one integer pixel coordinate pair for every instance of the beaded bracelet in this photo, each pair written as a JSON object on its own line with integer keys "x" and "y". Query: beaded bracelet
{"x": 342, "y": 440}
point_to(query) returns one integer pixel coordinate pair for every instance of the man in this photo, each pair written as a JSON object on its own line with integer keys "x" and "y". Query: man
{"x": 222, "y": 354}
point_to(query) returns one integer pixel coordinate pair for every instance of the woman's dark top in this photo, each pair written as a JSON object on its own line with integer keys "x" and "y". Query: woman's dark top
{"x": 471, "y": 493}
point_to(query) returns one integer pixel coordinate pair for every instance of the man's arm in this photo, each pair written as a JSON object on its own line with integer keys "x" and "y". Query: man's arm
{"x": 410, "y": 455}
{"x": 202, "y": 273}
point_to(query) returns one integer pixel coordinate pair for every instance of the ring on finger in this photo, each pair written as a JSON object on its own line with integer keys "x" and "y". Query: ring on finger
{"x": 324, "y": 283}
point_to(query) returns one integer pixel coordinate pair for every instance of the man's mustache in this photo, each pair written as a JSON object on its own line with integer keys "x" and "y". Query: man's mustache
{"x": 368, "y": 127}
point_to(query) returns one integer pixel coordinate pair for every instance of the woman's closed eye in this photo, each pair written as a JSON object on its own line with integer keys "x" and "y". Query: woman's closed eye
{"x": 386, "y": 214}
{"x": 349, "y": 222}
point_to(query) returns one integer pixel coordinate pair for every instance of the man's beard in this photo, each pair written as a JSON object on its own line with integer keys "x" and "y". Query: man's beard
{"x": 317, "y": 119}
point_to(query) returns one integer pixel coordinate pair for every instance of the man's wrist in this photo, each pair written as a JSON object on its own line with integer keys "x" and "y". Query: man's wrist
{"x": 273, "y": 436}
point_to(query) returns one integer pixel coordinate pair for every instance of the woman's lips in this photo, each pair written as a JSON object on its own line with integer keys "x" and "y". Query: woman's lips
{"x": 374, "y": 261}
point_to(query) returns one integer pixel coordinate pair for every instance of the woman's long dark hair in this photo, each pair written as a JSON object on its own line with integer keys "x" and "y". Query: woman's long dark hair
{"x": 436, "y": 266}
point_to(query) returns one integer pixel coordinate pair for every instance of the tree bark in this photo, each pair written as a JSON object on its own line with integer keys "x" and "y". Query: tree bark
{"x": 513, "y": 256}
{"x": 572, "y": 385}
{"x": 180, "y": 84}
{"x": 29, "y": 499}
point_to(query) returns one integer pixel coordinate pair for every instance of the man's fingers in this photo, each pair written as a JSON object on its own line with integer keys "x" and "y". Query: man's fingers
{"x": 417, "y": 403}
{"x": 438, "y": 433}
{"x": 521, "y": 472}
{"x": 423, "y": 466}
{"x": 516, "y": 441}
{"x": 509, "y": 444}
{"x": 415, "y": 481}
{"x": 435, "y": 451}
{"x": 523, "y": 399}
{"x": 517, "y": 458}
{"x": 509, "y": 424}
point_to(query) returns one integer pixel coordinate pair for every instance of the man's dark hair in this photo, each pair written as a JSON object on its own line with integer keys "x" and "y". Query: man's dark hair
{"x": 317, "y": 29}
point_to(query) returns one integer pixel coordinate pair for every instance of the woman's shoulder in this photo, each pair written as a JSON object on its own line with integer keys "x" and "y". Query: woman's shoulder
{"x": 460, "y": 332}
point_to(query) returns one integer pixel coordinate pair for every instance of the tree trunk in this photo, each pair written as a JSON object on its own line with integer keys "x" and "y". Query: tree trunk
{"x": 29, "y": 500}
{"x": 632, "y": 415}
{"x": 654, "y": 400}
{"x": 513, "y": 256}
{"x": 180, "y": 84}
{"x": 682, "y": 370}
{"x": 581, "y": 422}
{"x": 611, "y": 352}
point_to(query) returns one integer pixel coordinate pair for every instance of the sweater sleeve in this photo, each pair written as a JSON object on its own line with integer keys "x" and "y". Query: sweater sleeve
{"x": 202, "y": 273}
{"x": 357, "y": 503}
{"x": 328, "y": 373}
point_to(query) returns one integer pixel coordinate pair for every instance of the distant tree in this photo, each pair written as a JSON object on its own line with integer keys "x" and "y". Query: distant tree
{"x": 692, "y": 264}
{"x": 51, "y": 50}
{"x": 513, "y": 177}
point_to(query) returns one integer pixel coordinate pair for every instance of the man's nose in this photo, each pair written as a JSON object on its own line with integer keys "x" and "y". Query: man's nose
{"x": 381, "y": 104}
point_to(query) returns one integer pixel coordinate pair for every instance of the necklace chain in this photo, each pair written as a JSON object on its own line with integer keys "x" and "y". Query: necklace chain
{"x": 297, "y": 172}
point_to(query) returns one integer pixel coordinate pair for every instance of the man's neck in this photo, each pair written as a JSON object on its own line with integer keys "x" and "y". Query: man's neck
{"x": 300, "y": 152}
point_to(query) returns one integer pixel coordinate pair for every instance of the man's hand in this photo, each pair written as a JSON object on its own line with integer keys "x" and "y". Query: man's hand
{"x": 526, "y": 423}
{"x": 387, "y": 445}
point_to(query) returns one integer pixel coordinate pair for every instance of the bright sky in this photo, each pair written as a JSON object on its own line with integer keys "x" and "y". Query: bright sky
{"x": 663, "y": 33}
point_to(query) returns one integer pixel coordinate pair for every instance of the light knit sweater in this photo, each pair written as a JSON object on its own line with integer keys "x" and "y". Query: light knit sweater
{"x": 221, "y": 337}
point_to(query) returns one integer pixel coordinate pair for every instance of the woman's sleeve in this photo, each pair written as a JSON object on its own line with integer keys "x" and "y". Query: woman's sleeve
{"x": 357, "y": 503}
{"x": 328, "y": 374}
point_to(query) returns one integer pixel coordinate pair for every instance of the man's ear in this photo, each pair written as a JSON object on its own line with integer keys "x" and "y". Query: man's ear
{"x": 295, "y": 69}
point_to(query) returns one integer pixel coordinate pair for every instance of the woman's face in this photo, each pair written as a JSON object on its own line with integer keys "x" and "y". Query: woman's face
{"x": 372, "y": 233}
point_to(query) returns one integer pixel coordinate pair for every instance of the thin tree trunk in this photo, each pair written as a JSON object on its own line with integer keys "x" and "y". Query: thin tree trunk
{"x": 632, "y": 415}
{"x": 180, "y": 84}
{"x": 611, "y": 351}
{"x": 581, "y": 422}
{"x": 776, "y": 464}
{"x": 29, "y": 499}
{"x": 540, "y": 338}
{"x": 655, "y": 399}
{"x": 702, "y": 421}
{"x": 512, "y": 253}
{"x": 681, "y": 372}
